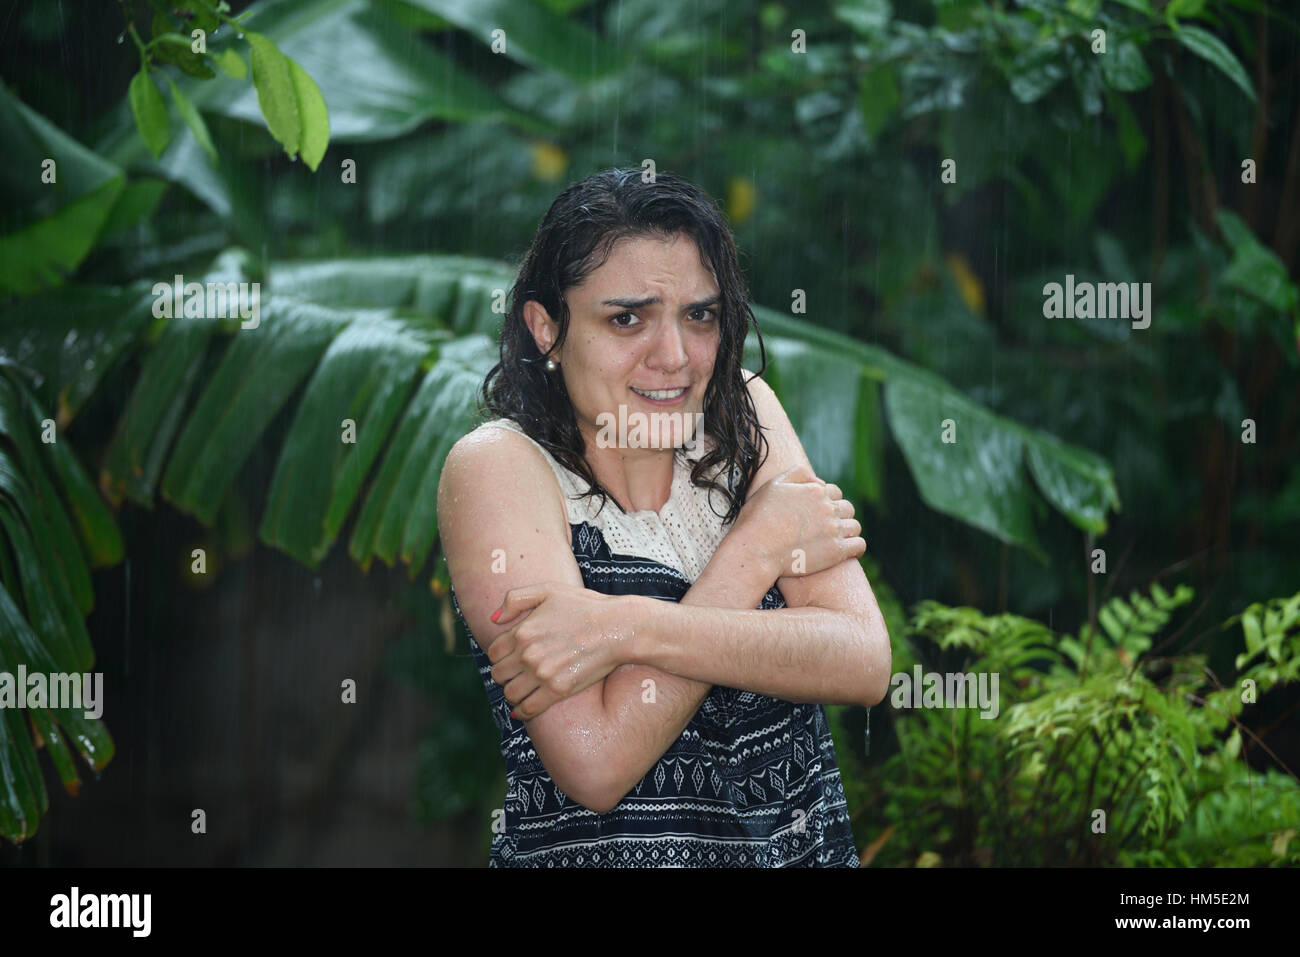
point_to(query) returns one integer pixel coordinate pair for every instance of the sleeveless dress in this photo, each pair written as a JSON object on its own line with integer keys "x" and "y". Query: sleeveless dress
{"x": 751, "y": 782}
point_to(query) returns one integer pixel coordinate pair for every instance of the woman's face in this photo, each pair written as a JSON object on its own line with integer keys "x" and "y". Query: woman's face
{"x": 648, "y": 320}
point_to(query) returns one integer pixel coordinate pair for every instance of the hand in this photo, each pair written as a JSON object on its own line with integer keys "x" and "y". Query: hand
{"x": 569, "y": 639}
{"x": 799, "y": 524}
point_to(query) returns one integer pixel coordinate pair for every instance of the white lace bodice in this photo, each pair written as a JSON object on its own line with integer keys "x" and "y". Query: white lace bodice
{"x": 683, "y": 535}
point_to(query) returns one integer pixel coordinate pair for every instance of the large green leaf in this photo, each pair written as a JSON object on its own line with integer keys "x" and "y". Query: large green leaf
{"x": 1078, "y": 482}
{"x": 987, "y": 486}
{"x": 455, "y": 289}
{"x": 22, "y": 790}
{"x": 261, "y": 368}
{"x": 1209, "y": 47}
{"x": 822, "y": 392}
{"x": 16, "y": 426}
{"x": 46, "y": 594}
{"x": 978, "y": 476}
{"x": 73, "y": 336}
{"x": 23, "y": 798}
{"x": 377, "y": 80}
{"x": 154, "y": 412}
{"x": 364, "y": 376}
{"x": 532, "y": 35}
{"x": 47, "y": 228}
{"x": 56, "y": 746}
{"x": 400, "y": 513}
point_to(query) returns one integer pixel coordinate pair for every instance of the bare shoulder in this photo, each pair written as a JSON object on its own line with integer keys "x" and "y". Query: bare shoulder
{"x": 497, "y": 526}
{"x": 492, "y": 459}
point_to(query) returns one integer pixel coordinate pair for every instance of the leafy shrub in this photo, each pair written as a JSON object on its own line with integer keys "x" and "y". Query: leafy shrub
{"x": 1098, "y": 723}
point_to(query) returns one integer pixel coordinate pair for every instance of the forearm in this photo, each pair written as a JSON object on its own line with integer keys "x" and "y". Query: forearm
{"x": 642, "y": 726}
{"x": 805, "y": 655}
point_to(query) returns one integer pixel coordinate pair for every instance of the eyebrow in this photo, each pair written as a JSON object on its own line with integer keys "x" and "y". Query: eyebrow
{"x": 657, "y": 301}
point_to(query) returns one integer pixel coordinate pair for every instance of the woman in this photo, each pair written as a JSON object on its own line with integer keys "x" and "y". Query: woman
{"x": 687, "y": 730}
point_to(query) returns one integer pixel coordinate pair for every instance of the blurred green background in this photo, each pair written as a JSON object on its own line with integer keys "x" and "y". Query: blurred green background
{"x": 1114, "y": 530}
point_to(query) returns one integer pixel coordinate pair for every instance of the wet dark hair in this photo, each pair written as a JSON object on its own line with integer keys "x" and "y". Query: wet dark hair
{"x": 574, "y": 239}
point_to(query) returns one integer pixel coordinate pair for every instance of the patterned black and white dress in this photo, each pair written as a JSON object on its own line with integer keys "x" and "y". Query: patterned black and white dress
{"x": 751, "y": 782}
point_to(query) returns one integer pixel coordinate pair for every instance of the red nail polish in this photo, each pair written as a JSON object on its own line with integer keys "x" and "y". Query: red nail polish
{"x": 495, "y": 615}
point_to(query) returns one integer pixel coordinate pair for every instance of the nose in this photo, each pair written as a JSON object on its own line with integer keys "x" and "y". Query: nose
{"x": 668, "y": 353}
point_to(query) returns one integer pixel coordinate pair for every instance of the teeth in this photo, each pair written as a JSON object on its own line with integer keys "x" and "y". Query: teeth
{"x": 661, "y": 394}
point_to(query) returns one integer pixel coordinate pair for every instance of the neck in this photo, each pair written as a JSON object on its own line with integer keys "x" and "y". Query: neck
{"x": 638, "y": 479}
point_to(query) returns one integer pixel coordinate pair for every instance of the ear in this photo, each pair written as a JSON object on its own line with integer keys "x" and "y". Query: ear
{"x": 544, "y": 329}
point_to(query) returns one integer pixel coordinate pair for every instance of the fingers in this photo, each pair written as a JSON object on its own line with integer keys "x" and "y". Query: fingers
{"x": 519, "y": 600}
{"x": 508, "y": 668}
{"x": 533, "y": 705}
{"x": 519, "y": 688}
{"x": 501, "y": 646}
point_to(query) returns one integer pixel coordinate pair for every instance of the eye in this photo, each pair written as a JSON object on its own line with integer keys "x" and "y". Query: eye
{"x": 710, "y": 315}
{"x": 619, "y": 325}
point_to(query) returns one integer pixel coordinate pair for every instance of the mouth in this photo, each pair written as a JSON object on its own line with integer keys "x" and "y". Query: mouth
{"x": 662, "y": 396}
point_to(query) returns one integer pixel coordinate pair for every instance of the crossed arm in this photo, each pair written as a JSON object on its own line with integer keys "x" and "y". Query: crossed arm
{"x": 829, "y": 645}
{"x": 639, "y": 733}
{"x": 809, "y": 654}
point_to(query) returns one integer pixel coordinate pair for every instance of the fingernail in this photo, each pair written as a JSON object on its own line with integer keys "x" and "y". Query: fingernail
{"x": 495, "y": 615}
{"x": 514, "y": 715}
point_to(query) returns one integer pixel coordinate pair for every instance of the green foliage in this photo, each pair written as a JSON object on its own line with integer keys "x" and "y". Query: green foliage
{"x": 150, "y": 112}
{"x": 48, "y": 230}
{"x": 53, "y": 526}
{"x": 289, "y": 98}
{"x": 292, "y": 103}
{"x": 1088, "y": 726}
